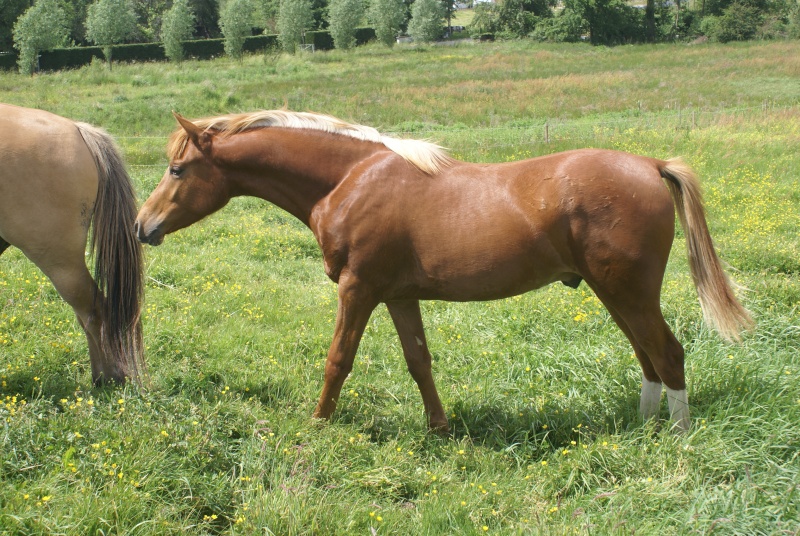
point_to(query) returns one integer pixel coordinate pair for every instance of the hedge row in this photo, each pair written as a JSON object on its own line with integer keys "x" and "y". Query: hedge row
{"x": 8, "y": 60}
{"x": 203, "y": 49}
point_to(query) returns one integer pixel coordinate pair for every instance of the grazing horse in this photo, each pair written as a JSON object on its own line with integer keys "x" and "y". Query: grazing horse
{"x": 399, "y": 221}
{"x": 58, "y": 178}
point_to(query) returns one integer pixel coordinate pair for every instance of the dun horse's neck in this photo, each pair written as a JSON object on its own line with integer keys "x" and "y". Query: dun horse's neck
{"x": 292, "y": 168}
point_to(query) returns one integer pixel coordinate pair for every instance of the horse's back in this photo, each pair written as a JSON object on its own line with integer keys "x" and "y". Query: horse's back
{"x": 48, "y": 178}
{"x": 484, "y": 231}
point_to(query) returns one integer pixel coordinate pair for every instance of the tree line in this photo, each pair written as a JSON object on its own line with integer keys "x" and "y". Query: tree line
{"x": 32, "y": 26}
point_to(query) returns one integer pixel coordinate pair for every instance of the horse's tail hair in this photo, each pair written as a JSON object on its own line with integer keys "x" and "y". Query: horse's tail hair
{"x": 119, "y": 262}
{"x": 720, "y": 307}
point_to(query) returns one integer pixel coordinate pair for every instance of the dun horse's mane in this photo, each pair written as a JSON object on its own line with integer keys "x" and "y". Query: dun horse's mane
{"x": 428, "y": 157}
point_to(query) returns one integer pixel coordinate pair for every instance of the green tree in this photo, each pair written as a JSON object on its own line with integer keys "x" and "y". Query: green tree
{"x": 793, "y": 25}
{"x": 110, "y": 22}
{"x": 610, "y": 22}
{"x": 427, "y": 18}
{"x": 177, "y": 26}
{"x": 294, "y": 18}
{"x": 10, "y": 11}
{"x": 41, "y": 27}
{"x": 266, "y": 14}
{"x": 517, "y": 18}
{"x": 343, "y": 19}
{"x": 448, "y": 8}
{"x": 485, "y": 19}
{"x": 149, "y": 17}
{"x": 76, "y": 19}
{"x": 206, "y": 14}
{"x": 387, "y": 18}
{"x": 236, "y": 23}
{"x": 739, "y": 21}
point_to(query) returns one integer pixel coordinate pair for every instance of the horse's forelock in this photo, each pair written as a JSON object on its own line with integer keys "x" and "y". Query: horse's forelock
{"x": 177, "y": 144}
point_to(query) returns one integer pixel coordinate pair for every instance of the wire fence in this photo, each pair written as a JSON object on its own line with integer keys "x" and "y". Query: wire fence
{"x": 533, "y": 133}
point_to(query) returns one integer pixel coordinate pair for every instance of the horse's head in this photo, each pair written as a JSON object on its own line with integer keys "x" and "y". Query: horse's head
{"x": 192, "y": 187}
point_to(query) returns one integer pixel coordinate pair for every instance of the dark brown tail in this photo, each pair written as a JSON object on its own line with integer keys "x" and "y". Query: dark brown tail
{"x": 720, "y": 307}
{"x": 119, "y": 264}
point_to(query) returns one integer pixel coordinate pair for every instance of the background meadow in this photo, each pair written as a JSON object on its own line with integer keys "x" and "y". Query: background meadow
{"x": 542, "y": 389}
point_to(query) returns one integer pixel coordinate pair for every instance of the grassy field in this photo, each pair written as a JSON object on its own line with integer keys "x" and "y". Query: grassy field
{"x": 542, "y": 389}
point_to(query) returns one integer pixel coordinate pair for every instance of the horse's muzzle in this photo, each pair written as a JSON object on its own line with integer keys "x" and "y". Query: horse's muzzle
{"x": 154, "y": 237}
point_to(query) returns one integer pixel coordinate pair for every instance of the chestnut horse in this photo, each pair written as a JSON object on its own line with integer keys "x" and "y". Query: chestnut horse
{"x": 399, "y": 221}
{"x": 58, "y": 178}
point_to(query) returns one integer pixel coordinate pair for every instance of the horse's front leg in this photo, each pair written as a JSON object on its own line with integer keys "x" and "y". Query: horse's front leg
{"x": 355, "y": 307}
{"x": 408, "y": 322}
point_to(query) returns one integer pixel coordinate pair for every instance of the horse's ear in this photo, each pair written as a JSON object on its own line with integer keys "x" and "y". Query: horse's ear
{"x": 200, "y": 138}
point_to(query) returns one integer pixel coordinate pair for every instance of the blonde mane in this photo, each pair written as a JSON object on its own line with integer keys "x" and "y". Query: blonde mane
{"x": 426, "y": 156}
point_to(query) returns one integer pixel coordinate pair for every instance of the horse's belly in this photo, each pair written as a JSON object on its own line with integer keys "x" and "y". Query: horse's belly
{"x": 497, "y": 269}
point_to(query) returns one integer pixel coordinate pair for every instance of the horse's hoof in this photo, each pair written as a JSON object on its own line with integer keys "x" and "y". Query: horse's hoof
{"x": 440, "y": 429}
{"x": 108, "y": 381}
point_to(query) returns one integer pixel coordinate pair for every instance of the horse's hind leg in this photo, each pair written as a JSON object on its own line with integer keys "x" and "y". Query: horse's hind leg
{"x": 3, "y": 245}
{"x": 650, "y": 399}
{"x": 408, "y": 322}
{"x": 638, "y": 313}
{"x": 73, "y": 282}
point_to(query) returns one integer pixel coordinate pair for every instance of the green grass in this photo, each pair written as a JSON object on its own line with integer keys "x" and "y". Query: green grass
{"x": 541, "y": 389}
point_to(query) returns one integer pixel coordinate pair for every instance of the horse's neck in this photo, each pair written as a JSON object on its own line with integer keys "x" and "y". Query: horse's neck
{"x": 292, "y": 168}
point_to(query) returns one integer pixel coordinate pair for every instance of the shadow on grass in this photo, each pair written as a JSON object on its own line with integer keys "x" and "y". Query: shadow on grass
{"x": 537, "y": 433}
{"x": 497, "y": 426}
{"x": 55, "y": 386}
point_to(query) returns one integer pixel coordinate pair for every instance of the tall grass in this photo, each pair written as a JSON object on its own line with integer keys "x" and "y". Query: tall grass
{"x": 541, "y": 389}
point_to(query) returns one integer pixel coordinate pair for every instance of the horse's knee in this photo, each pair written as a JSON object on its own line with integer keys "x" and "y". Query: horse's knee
{"x": 337, "y": 370}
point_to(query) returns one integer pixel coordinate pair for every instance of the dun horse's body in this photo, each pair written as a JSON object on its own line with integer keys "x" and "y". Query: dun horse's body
{"x": 58, "y": 178}
{"x": 399, "y": 221}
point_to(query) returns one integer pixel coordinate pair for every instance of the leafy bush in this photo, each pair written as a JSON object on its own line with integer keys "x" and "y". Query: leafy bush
{"x": 568, "y": 27}
{"x": 605, "y": 22}
{"x": 516, "y": 20}
{"x": 387, "y": 17}
{"x": 294, "y": 18}
{"x": 42, "y": 27}
{"x": 177, "y": 27}
{"x": 110, "y": 22}
{"x": 793, "y": 25}
{"x": 609, "y": 22}
{"x": 427, "y": 19}
{"x": 235, "y": 24}
{"x": 485, "y": 19}
{"x": 343, "y": 18}
{"x": 739, "y": 21}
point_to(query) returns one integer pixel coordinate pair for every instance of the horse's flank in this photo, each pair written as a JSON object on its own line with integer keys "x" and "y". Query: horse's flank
{"x": 424, "y": 155}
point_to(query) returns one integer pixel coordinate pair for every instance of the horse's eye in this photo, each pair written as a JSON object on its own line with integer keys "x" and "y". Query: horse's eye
{"x": 175, "y": 171}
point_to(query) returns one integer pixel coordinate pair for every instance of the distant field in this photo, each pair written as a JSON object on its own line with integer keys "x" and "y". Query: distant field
{"x": 542, "y": 390}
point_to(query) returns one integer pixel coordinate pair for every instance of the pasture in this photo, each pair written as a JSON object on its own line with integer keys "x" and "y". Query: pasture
{"x": 541, "y": 390}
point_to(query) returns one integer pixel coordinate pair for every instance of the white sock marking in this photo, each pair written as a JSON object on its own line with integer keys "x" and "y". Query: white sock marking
{"x": 650, "y": 402}
{"x": 678, "y": 408}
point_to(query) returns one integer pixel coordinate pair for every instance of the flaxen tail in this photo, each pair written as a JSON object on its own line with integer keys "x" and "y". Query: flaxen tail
{"x": 720, "y": 307}
{"x": 119, "y": 263}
